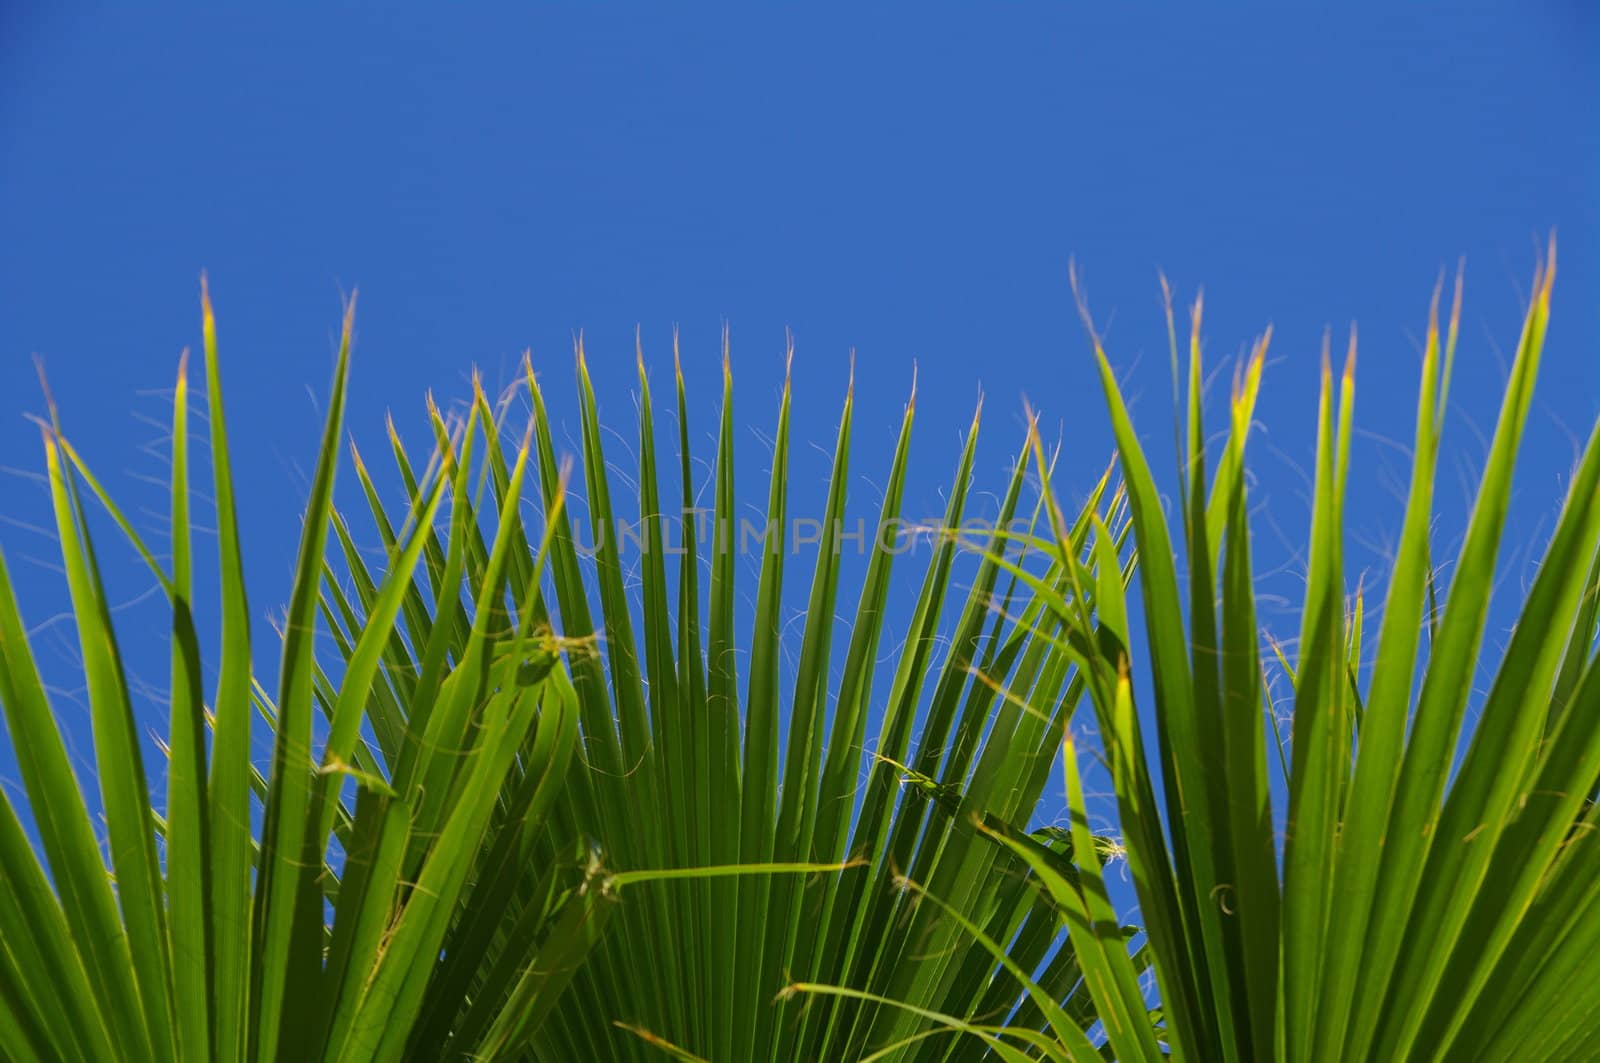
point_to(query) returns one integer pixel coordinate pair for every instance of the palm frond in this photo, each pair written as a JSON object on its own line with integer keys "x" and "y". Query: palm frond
{"x": 521, "y": 800}
{"x": 1424, "y": 907}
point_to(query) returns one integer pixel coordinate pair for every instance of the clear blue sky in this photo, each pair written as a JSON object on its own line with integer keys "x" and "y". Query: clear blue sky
{"x": 910, "y": 187}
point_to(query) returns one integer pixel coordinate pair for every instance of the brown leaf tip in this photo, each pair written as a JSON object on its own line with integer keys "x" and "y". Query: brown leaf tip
{"x": 1549, "y": 268}
{"x": 350, "y": 313}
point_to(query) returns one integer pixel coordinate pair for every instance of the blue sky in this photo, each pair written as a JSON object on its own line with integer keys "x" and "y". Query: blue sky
{"x": 910, "y": 188}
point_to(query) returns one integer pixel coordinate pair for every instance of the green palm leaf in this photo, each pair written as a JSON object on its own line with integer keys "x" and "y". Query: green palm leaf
{"x": 1423, "y": 909}
{"x": 165, "y": 963}
{"x": 506, "y": 815}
